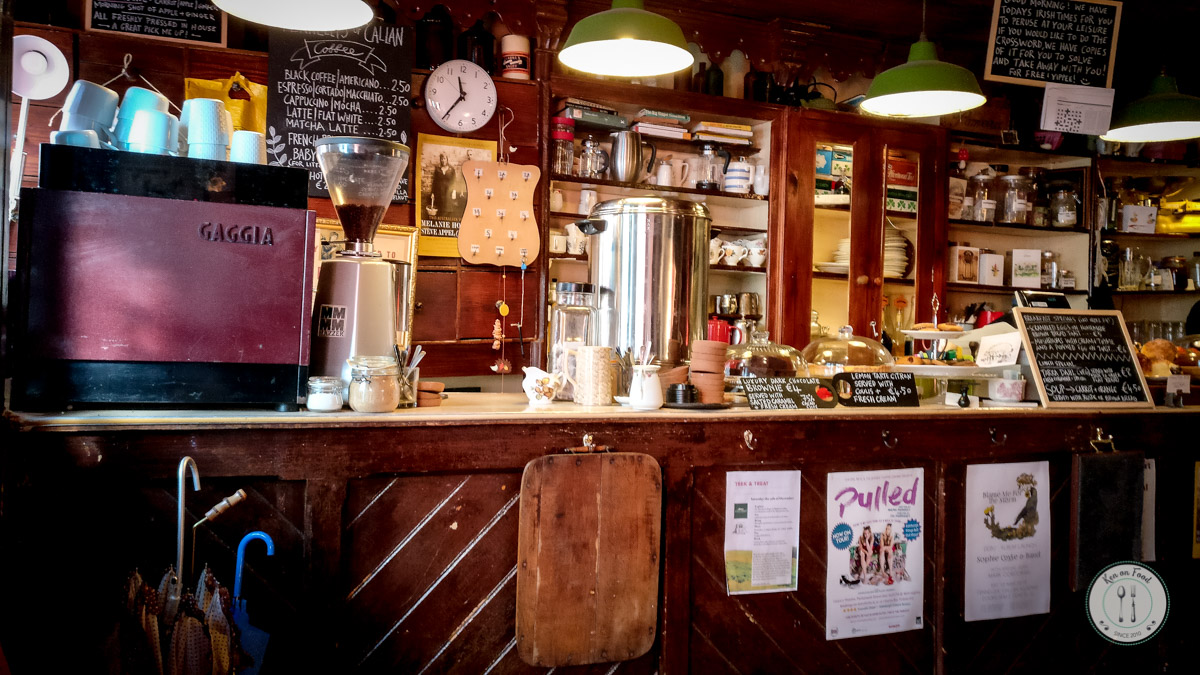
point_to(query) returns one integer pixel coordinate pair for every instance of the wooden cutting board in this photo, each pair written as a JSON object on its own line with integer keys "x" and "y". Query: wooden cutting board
{"x": 587, "y": 566}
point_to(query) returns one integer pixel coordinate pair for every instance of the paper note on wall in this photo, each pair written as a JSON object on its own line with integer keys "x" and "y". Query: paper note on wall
{"x": 762, "y": 531}
{"x": 1076, "y": 109}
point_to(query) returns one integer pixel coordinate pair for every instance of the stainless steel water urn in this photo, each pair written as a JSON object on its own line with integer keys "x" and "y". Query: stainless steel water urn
{"x": 649, "y": 264}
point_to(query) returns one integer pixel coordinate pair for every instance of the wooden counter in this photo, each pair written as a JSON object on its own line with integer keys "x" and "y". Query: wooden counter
{"x": 396, "y": 533}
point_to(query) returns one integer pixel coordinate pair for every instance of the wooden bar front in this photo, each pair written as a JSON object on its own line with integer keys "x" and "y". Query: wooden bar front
{"x": 396, "y": 535}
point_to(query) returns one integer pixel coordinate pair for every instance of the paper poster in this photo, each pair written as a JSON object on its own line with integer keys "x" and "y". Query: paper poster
{"x": 1077, "y": 109}
{"x": 875, "y": 579}
{"x": 762, "y": 531}
{"x": 1007, "y": 540}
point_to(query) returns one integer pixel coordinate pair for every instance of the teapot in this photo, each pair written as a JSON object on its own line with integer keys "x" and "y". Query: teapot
{"x": 593, "y": 160}
{"x": 710, "y": 168}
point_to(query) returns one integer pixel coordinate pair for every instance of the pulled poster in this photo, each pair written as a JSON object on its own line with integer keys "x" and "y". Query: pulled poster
{"x": 762, "y": 531}
{"x": 1007, "y": 540}
{"x": 875, "y": 579}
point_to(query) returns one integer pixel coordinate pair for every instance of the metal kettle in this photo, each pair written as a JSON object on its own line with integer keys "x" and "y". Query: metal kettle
{"x": 711, "y": 169}
{"x": 625, "y": 160}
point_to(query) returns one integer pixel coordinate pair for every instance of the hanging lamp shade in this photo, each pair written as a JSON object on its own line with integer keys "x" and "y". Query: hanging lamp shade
{"x": 310, "y": 15}
{"x": 1163, "y": 115}
{"x": 626, "y": 41}
{"x": 923, "y": 87}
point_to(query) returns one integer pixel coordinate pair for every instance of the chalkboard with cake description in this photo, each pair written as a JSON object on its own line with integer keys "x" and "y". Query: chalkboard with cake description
{"x": 344, "y": 83}
{"x": 877, "y": 390}
{"x": 1082, "y": 358}
{"x": 197, "y": 21}
{"x": 787, "y": 393}
{"x": 1065, "y": 41}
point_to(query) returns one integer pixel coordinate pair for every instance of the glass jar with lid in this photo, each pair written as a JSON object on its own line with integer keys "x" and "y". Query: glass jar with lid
{"x": 1039, "y": 207}
{"x": 982, "y": 190}
{"x": 844, "y": 353}
{"x": 562, "y": 133}
{"x": 1049, "y": 269}
{"x": 374, "y": 383}
{"x": 1014, "y": 200}
{"x": 762, "y": 358}
{"x": 571, "y": 324}
{"x": 1177, "y": 267}
{"x": 1064, "y": 204}
{"x": 324, "y": 394}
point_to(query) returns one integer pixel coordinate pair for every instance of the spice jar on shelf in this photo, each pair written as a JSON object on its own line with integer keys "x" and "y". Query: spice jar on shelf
{"x": 1014, "y": 200}
{"x": 1039, "y": 202}
{"x": 1049, "y": 270}
{"x": 981, "y": 188}
{"x": 374, "y": 384}
{"x": 324, "y": 394}
{"x": 562, "y": 132}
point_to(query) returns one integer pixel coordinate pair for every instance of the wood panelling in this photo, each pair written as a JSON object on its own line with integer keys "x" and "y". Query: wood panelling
{"x": 478, "y": 293}
{"x": 434, "y": 318}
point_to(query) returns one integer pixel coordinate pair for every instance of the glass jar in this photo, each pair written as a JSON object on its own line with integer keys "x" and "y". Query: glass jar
{"x": 593, "y": 161}
{"x": 844, "y": 353}
{"x": 1039, "y": 201}
{"x": 1066, "y": 280}
{"x": 571, "y": 324}
{"x": 1049, "y": 269}
{"x": 981, "y": 189}
{"x": 374, "y": 383}
{"x": 562, "y": 132}
{"x": 762, "y": 358}
{"x": 1015, "y": 195}
{"x": 1177, "y": 267}
{"x": 1064, "y": 204}
{"x": 324, "y": 394}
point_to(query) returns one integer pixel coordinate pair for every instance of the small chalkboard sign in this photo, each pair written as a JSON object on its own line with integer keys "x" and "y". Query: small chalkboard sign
{"x": 1067, "y": 41}
{"x": 1082, "y": 358}
{"x": 345, "y": 83}
{"x": 877, "y": 390}
{"x": 787, "y": 393}
{"x": 195, "y": 21}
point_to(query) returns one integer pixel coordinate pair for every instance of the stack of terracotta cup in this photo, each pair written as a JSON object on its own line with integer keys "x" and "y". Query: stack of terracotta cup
{"x": 708, "y": 370}
{"x": 429, "y": 393}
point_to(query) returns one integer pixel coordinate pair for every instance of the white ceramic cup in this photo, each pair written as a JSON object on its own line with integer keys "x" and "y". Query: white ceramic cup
{"x": 762, "y": 181}
{"x": 248, "y": 147}
{"x": 733, "y": 254}
{"x": 558, "y": 243}
{"x": 80, "y": 138}
{"x": 182, "y": 135}
{"x": 738, "y": 177}
{"x": 1006, "y": 390}
{"x": 757, "y": 257}
{"x": 150, "y": 132}
{"x": 556, "y": 200}
{"x": 587, "y": 199}
{"x": 89, "y": 106}
{"x": 665, "y": 175}
{"x": 216, "y": 151}
{"x": 576, "y": 240}
{"x": 206, "y": 122}
{"x": 714, "y": 250}
{"x": 135, "y": 99}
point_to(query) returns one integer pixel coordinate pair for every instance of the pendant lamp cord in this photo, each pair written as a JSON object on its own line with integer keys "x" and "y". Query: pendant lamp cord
{"x": 923, "y": 3}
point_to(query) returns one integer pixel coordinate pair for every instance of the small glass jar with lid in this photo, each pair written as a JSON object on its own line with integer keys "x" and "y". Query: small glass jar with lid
{"x": 374, "y": 383}
{"x": 845, "y": 353}
{"x": 1039, "y": 202}
{"x": 324, "y": 394}
{"x": 571, "y": 324}
{"x": 1014, "y": 200}
{"x": 982, "y": 190}
{"x": 1064, "y": 204}
{"x": 1049, "y": 270}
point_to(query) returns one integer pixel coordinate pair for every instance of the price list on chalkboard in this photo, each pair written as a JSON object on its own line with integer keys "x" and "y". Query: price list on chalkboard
{"x": 182, "y": 20}
{"x": 1082, "y": 358}
{"x": 877, "y": 390}
{"x": 787, "y": 393}
{"x": 344, "y": 83}
{"x": 1065, "y": 41}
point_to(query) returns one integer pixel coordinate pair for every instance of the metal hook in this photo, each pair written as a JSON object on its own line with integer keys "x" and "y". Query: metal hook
{"x": 241, "y": 558}
{"x": 889, "y": 441}
{"x": 997, "y": 437}
{"x": 589, "y": 442}
{"x": 749, "y": 439}
{"x": 184, "y": 465}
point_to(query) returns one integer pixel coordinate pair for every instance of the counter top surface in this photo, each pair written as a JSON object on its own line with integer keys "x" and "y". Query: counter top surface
{"x": 476, "y": 408}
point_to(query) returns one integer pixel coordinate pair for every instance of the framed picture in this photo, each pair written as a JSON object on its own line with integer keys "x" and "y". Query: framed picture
{"x": 442, "y": 189}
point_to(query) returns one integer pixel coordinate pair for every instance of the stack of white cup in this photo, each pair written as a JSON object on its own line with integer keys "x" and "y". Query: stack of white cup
{"x": 208, "y": 127}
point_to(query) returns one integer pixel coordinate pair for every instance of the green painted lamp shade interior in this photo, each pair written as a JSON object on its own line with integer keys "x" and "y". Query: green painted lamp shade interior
{"x": 626, "y": 41}
{"x": 1163, "y": 115}
{"x": 923, "y": 87}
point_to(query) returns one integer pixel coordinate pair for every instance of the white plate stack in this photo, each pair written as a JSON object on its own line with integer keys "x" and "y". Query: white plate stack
{"x": 895, "y": 254}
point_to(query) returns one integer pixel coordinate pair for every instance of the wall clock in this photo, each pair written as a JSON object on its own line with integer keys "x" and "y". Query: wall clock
{"x": 460, "y": 96}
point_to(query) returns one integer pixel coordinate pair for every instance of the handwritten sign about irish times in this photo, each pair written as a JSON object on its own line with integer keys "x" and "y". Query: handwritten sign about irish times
{"x": 1066, "y": 41}
{"x": 1082, "y": 358}
{"x": 344, "y": 83}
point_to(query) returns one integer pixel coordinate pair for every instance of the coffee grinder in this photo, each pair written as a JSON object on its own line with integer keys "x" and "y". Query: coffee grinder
{"x": 359, "y": 304}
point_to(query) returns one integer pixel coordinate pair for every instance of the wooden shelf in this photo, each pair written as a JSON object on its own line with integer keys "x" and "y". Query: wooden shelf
{"x": 664, "y": 145}
{"x": 1012, "y": 228}
{"x": 746, "y": 230}
{"x": 582, "y": 257}
{"x": 603, "y": 182}
{"x": 629, "y": 98}
{"x": 897, "y": 281}
{"x": 1176, "y": 236}
{"x": 1003, "y": 290}
{"x": 845, "y": 208}
{"x": 737, "y": 268}
{"x": 565, "y": 214}
{"x": 1164, "y": 294}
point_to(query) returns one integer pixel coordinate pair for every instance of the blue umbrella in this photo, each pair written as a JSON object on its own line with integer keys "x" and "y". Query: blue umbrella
{"x": 254, "y": 640}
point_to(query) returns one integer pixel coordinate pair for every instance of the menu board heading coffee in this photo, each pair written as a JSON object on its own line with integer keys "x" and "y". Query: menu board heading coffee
{"x": 343, "y": 83}
{"x": 178, "y": 20}
{"x": 1066, "y": 41}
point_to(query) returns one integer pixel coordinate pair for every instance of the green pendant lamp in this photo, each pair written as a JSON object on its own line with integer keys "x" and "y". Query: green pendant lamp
{"x": 626, "y": 41}
{"x": 923, "y": 86}
{"x": 1163, "y": 115}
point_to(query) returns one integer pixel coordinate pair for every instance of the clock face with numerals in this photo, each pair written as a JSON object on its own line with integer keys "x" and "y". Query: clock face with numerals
{"x": 460, "y": 96}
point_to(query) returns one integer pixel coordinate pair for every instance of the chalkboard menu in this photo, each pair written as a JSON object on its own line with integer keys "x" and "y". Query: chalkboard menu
{"x": 345, "y": 83}
{"x": 1066, "y": 41}
{"x": 179, "y": 20}
{"x": 1082, "y": 358}
{"x": 877, "y": 390}
{"x": 787, "y": 393}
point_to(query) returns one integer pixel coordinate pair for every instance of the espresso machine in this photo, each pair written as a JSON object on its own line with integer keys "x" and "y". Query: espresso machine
{"x": 361, "y": 306}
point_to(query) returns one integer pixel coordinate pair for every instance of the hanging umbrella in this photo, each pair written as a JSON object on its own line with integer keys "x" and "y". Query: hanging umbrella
{"x": 254, "y": 640}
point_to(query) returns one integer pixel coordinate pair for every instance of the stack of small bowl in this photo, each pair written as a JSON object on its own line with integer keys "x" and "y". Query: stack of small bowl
{"x": 708, "y": 370}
